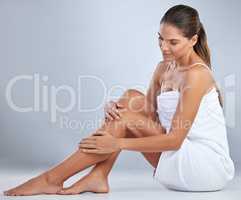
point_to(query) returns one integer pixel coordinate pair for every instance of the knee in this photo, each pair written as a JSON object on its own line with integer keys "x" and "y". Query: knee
{"x": 133, "y": 93}
{"x": 133, "y": 100}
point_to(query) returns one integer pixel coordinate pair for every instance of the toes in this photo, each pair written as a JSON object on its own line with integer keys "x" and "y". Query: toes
{"x": 68, "y": 191}
{"x": 64, "y": 191}
{"x": 8, "y": 193}
{"x": 60, "y": 192}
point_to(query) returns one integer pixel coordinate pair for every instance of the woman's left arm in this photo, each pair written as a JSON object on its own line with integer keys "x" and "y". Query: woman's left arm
{"x": 193, "y": 89}
{"x": 102, "y": 143}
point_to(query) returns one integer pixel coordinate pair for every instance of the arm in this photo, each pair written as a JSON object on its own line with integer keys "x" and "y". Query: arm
{"x": 153, "y": 90}
{"x": 192, "y": 90}
{"x": 159, "y": 143}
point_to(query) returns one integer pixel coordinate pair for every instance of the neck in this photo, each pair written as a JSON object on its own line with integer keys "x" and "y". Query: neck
{"x": 186, "y": 60}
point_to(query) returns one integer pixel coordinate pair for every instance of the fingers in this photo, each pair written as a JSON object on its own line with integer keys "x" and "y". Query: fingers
{"x": 91, "y": 151}
{"x": 108, "y": 116}
{"x": 111, "y": 111}
{"x": 91, "y": 139}
{"x": 99, "y": 133}
{"x": 87, "y": 145}
{"x": 107, "y": 108}
{"x": 119, "y": 105}
{"x": 114, "y": 113}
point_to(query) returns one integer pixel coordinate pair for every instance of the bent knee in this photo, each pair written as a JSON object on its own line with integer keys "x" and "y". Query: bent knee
{"x": 133, "y": 101}
{"x": 133, "y": 93}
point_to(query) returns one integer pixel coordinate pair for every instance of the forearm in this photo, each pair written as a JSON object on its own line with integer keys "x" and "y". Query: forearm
{"x": 164, "y": 142}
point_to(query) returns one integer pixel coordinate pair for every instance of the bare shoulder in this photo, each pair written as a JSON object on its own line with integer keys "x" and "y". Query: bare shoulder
{"x": 159, "y": 71}
{"x": 161, "y": 66}
{"x": 198, "y": 78}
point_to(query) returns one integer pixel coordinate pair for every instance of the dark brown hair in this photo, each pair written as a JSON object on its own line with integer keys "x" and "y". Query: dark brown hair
{"x": 187, "y": 20}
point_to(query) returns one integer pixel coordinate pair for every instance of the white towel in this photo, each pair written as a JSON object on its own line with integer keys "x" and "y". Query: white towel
{"x": 203, "y": 162}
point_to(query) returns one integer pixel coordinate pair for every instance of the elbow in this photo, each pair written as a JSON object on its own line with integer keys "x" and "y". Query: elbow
{"x": 177, "y": 146}
{"x": 177, "y": 143}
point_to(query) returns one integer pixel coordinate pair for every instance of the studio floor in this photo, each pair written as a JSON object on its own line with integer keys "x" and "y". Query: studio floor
{"x": 123, "y": 185}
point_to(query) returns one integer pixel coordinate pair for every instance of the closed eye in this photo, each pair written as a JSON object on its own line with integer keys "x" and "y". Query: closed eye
{"x": 174, "y": 43}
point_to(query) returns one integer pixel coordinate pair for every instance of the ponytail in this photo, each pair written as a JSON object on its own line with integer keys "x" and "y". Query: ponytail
{"x": 201, "y": 47}
{"x": 187, "y": 19}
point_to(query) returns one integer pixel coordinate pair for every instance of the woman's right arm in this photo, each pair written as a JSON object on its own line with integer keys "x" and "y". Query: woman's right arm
{"x": 153, "y": 91}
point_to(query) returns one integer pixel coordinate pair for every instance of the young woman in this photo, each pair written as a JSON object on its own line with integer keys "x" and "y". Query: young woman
{"x": 178, "y": 126}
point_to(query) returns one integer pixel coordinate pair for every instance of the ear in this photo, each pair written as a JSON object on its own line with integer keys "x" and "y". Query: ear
{"x": 194, "y": 40}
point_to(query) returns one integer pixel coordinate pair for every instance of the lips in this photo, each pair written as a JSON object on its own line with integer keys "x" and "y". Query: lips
{"x": 166, "y": 54}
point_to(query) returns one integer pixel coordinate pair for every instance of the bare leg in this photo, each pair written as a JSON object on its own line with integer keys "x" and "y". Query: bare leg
{"x": 97, "y": 179}
{"x": 52, "y": 181}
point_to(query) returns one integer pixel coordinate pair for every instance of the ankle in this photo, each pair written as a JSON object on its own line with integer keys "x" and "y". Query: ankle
{"x": 99, "y": 174}
{"x": 52, "y": 179}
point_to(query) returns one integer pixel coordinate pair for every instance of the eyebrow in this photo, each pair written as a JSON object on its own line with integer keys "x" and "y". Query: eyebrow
{"x": 174, "y": 39}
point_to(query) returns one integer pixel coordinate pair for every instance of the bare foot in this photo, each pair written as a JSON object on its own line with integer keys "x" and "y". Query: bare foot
{"x": 89, "y": 183}
{"x": 38, "y": 185}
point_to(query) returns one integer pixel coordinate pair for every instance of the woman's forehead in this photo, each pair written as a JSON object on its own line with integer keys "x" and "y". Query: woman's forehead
{"x": 168, "y": 31}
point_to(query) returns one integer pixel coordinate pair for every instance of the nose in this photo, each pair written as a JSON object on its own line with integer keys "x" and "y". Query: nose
{"x": 164, "y": 46}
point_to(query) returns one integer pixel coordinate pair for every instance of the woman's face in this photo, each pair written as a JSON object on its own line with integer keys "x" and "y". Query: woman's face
{"x": 172, "y": 42}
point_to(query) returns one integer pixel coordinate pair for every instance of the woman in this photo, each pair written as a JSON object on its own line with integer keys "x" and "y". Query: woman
{"x": 178, "y": 125}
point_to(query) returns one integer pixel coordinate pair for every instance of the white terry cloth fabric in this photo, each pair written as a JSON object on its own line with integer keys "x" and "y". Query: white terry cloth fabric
{"x": 203, "y": 162}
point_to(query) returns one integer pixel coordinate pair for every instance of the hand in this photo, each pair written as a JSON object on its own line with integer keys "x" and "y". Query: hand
{"x": 111, "y": 111}
{"x": 99, "y": 143}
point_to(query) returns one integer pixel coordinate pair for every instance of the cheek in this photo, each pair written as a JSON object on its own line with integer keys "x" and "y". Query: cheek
{"x": 179, "y": 50}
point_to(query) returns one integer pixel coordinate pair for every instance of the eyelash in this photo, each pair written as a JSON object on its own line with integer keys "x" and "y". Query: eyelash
{"x": 171, "y": 43}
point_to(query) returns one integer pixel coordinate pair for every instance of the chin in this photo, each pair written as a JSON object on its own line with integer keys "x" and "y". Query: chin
{"x": 165, "y": 59}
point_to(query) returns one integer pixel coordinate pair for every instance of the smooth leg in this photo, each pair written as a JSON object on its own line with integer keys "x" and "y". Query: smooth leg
{"x": 97, "y": 179}
{"x": 52, "y": 180}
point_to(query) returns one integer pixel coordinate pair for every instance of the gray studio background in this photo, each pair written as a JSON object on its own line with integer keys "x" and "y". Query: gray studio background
{"x": 114, "y": 41}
